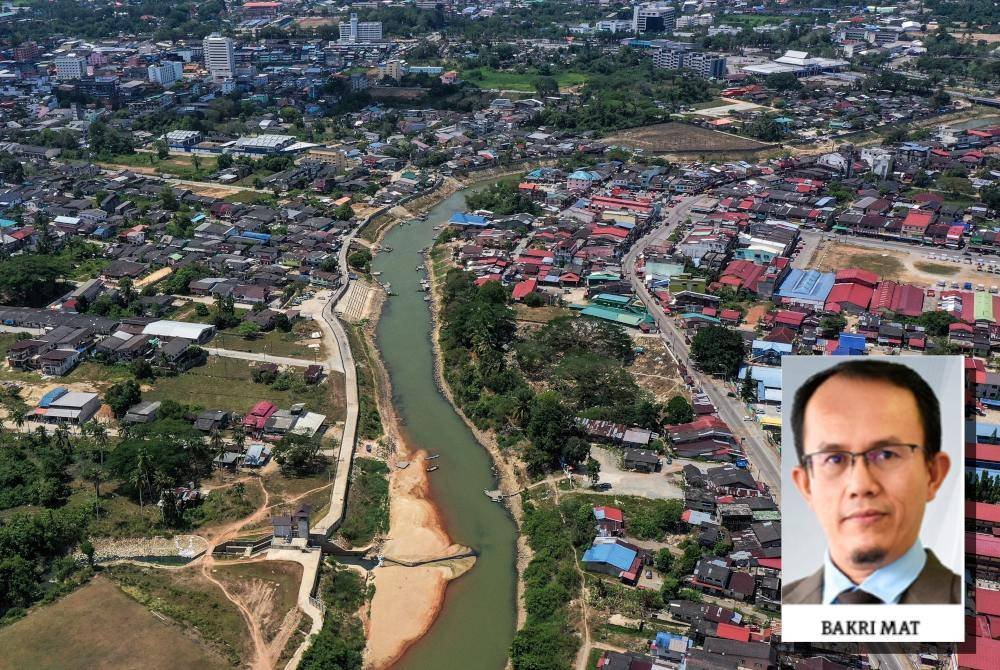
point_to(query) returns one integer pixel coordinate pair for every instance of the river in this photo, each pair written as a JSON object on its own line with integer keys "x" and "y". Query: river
{"x": 477, "y": 623}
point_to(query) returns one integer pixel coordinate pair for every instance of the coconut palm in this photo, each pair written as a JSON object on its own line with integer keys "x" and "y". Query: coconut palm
{"x": 142, "y": 474}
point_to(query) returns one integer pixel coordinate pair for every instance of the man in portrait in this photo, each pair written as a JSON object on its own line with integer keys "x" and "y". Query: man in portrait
{"x": 868, "y": 441}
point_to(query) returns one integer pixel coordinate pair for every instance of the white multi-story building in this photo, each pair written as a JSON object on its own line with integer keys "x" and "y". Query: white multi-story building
{"x": 679, "y": 55}
{"x": 654, "y": 17}
{"x": 71, "y": 67}
{"x": 360, "y": 31}
{"x": 165, "y": 73}
{"x": 393, "y": 69}
{"x": 219, "y": 58}
{"x": 615, "y": 26}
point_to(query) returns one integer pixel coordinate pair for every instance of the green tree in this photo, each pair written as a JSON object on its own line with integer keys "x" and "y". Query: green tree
{"x": 344, "y": 212}
{"x": 360, "y": 260}
{"x": 832, "y": 324}
{"x": 784, "y": 81}
{"x": 718, "y": 350}
{"x": 551, "y": 423}
{"x": 679, "y": 410}
{"x": 669, "y": 588}
{"x": 248, "y": 330}
{"x": 546, "y": 86}
{"x": 593, "y": 470}
{"x": 224, "y": 162}
{"x": 31, "y": 280}
{"x": 168, "y": 200}
{"x": 11, "y": 170}
{"x": 142, "y": 370}
{"x": 296, "y": 454}
{"x": 225, "y": 312}
{"x": 936, "y": 323}
{"x": 122, "y": 395}
{"x": 88, "y": 550}
{"x": 748, "y": 388}
{"x": 662, "y": 560}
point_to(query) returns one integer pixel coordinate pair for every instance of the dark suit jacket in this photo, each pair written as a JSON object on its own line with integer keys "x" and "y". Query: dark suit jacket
{"x": 935, "y": 585}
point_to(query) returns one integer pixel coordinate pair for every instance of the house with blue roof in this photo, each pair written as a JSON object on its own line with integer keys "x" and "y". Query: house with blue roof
{"x": 613, "y": 557}
{"x": 769, "y": 353}
{"x": 808, "y": 288}
{"x": 581, "y": 180}
{"x": 768, "y": 382}
{"x": 466, "y": 220}
{"x": 850, "y": 345}
{"x": 670, "y": 646}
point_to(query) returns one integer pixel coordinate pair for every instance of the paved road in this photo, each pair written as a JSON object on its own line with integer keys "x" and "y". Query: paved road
{"x": 332, "y": 362}
{"x": 762, "y": 456}
{"x": 893, "y": 661}
{"x": 338, "y": 492}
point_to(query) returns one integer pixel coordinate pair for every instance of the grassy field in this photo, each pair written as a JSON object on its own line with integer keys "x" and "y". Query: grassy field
{"x": 540, "y": 314}
{"x": 515, "y": 81}
{"x": 292, "y": 344}
{"x": 179, "y": 166}
{"x": 275, "y": 584}
{"x": 367, "y": 503}
{"x": 99, "y": 627}
{"x": 708, "y": 104}
{"x": 186, "y": 597}
{"x": 682, "y": 138}
{"x": 225, "y": 383}
{"x": 936, "y": 269}
{"x": 884, "y": 266}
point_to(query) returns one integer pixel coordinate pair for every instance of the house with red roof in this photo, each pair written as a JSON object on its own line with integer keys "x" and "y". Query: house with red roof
{"x": 901, "y": 299}
{"x": 258, "y": 415}
{"x": 916, "y": 222}
{"x": 856, "y": 276}
{"x": 730, "y": 316}
{"x": 848, "y": 297}
{"x": 789, "y": 319}
{"x": 524, "y": 289}
{"x": 728, "y": 631}
{"x": 610, "y": 520}
{"x": 742, "y": 274}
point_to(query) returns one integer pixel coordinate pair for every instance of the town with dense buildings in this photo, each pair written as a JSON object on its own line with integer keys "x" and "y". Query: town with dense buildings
{"x": 239, "y": 429}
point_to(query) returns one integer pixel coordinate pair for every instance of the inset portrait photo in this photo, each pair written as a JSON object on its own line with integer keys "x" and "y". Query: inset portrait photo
{"x": 872, "y": 504}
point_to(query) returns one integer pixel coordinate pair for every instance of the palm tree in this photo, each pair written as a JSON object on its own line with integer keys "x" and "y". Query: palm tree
{"x": 217, "y": 444}
{"x": 94, "y": 474}
{"x": 239, "y": 437}
{"x": 100, "y": 434}
{"x": 18, "y": 416}
{"x": 142, "y": 473}
{"x": 61, "y": 438}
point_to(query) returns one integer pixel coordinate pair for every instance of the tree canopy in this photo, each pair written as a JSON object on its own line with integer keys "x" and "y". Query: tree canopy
{"x": 718, "y": 350}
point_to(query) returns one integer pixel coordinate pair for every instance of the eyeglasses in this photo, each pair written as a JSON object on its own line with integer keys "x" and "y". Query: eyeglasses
{"x": 884, "y": 459}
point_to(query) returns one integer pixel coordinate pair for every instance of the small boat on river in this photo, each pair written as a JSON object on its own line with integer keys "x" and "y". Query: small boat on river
{"x": 432, "y": 468}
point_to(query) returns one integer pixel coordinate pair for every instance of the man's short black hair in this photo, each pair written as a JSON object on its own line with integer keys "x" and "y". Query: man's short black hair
{"x": 879, "y": 371}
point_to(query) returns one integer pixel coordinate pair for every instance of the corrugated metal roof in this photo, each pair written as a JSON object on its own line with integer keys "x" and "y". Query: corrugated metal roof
{"x": 612, "y": 553}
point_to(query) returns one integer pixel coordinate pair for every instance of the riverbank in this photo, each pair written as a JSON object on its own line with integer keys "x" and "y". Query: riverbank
{"x": 510, "y": 471}
{"x": 407, "y": 600}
